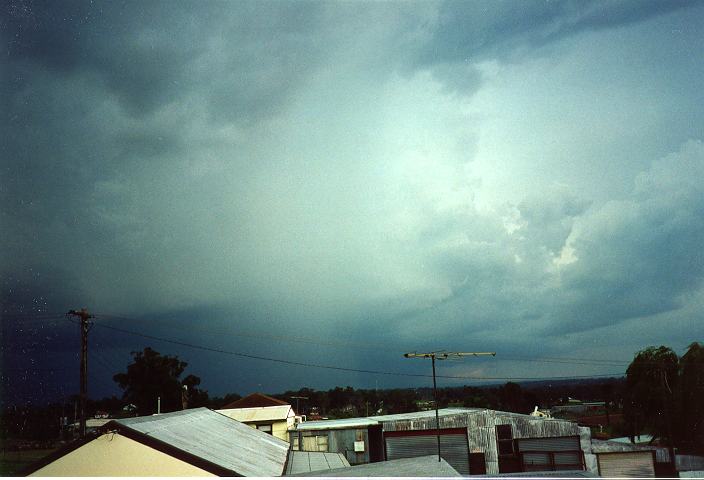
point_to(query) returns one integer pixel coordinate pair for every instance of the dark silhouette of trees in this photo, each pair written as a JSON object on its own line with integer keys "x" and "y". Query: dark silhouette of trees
{"x": 651, "y": 382}
{"x": 692, "y": 399}
{"x": 151, "y": 376}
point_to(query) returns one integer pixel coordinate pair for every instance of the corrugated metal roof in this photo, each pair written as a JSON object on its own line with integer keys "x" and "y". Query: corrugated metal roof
{"x": 548, "y": 474}
{"x": 306, "y": 462}
{"x": 606, "y": 446}
{"x": 215, "y": 438}
{"x": 336, "y": 424}
{"x": 258, "y": 414}
{"x": 427, "y": 466}
{"x": 404, "y": 417}
{"x": 424, "y": 414}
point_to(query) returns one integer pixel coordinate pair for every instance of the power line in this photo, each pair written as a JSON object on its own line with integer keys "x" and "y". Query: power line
{"x": 333, "y": 343}
{"x": 338, "y": 368}
{"x": 369, "y": 345}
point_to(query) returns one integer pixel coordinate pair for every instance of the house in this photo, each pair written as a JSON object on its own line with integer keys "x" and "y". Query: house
{"x": 256, "y": 399}
{"x": 472, "y": 441}
{"x": 92, "y": 424}
{"x": 196, "y": 442}
{"x": 264, "y": 413}
{"x": 275, "y": 421}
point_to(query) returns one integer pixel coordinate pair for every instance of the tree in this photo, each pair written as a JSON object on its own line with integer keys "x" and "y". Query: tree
{"x": 151, "y": 376}
{"x": 651, "y": 382}
{"x": 692, "y": 395}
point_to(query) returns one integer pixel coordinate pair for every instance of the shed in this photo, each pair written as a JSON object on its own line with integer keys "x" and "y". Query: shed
{"x": 359, "y": 439}
{"x": 616, "y": 459}
{"x": 195, "y": 442}
{"x": 473, "y": 441}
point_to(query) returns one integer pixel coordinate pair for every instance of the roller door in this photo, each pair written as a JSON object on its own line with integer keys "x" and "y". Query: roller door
{"x": 550, "y": 453}
{"x": 626, "y": 464}
{"x": 453, "y": 448}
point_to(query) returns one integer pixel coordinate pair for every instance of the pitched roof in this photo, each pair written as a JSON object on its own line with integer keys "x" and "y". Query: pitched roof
{"x": 377, "y": 419}
{"x": 426, "y": 466}
{"x": 204, "y": 437}
{"x": 255, "y": 400}
{"x": 258, "y": 414}
{"x": 302, "y": 463}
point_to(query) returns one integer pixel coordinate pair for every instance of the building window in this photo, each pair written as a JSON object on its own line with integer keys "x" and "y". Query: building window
{"x": 265, "y": 428}
{"x": 504, "y": 439}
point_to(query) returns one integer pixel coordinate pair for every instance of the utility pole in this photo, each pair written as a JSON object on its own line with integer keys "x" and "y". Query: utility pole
{"x": 297, "y": 399}
{"x": 442, "y": 356}
{"x": 84, "y": 316}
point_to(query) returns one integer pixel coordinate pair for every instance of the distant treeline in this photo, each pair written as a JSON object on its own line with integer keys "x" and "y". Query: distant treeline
{"x": 661, "y": 394}
{"x": 44, "y": 423}
{"x": 512, "y": 397}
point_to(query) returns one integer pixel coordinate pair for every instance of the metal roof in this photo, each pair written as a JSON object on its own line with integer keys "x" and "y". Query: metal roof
{"x": 359, "y": 422}
{"x": 547, "y": 474}
{"x": 215, "y": 438}
{"x": 427, "y": 466}
{"x": 306, "y": 462}
{"x": 336, "y": 424}
{"x": 443, "y": 412}
{"x": 605, "y": 446}
{"x": 258, "y": 414}
{"x": 424, "y": 416}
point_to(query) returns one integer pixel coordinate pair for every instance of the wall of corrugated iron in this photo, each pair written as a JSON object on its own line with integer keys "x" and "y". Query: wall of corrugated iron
{"x": 405, "y": 425}
{"x": 689, "y": 462}
{"x": 481, "y": 433}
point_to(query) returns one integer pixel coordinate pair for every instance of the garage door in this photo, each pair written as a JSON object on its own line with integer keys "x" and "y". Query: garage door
{"x": 453, "y": 447}
{"x": 550, "y": 453}
{"x": 626, "y": 464}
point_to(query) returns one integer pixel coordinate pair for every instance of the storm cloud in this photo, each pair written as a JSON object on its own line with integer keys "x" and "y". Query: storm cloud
{"x": 462, "y": 175}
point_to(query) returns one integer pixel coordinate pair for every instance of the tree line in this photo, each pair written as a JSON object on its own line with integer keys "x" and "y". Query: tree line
{"x": 662, "y": 395}
{"x": 665, "y": 396}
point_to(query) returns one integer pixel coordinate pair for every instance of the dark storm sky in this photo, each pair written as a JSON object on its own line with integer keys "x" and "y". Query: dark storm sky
{"x": 339, "y": 182}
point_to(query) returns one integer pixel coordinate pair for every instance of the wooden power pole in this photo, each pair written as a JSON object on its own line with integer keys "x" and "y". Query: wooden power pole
{"x": 84, "y": 316}
{"x": 442, "y": 356}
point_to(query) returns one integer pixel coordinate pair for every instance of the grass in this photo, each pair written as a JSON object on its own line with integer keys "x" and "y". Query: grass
{"x": 12, "y": 462}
